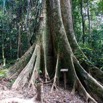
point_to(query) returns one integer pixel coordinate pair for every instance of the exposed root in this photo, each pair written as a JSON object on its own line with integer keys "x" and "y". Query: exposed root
{"x": 47, "y": 78}
{"x": 77, "y": 84}
{"x": 35, "y": 74}
{"x": 24, "y": 75}
{"x": 74, "y": 87}
{"x": 82, "y": 91}
{"x": 14, "y": 76}
{"x": 92, "y": 85}
{"x": 90, "y": 68}
{"x": 54, "y": 86}
{"x": 21, "y": 63}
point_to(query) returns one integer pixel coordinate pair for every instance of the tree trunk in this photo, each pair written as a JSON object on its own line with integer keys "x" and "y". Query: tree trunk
{"x": 83, "y": 21}
{"x": 89, "y": 21}
{"x": 3, "y": 46}
{"x": 19, "y": 52}
{"x": 57, "y": 20}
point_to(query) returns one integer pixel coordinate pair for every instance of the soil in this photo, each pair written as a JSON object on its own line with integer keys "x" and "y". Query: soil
{"x": 25, "y": 95}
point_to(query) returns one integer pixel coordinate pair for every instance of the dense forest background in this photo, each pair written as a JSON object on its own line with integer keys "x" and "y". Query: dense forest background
{"x": 19, "y": 22}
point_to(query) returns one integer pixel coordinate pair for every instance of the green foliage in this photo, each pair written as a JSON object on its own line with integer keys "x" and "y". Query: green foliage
{"x": 93, "y": 35}
{"x": 18, "y": 17}
{"x": 3, "y": 73}
{"x": 94, "y": 49}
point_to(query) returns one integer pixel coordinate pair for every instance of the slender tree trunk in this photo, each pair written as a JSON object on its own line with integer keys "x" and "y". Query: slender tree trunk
{"x": 11, "y": 55}
{"x": 3, "y": 55}
{"x": 89, "y": 21}
{"x": 28, "y": 22}
{"x": 3, "y": 46}
{"x": 19, "y": 42}
{"x": 83, "y": 21}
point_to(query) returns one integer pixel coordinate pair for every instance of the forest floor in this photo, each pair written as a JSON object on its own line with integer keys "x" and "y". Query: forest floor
{"x": 58, "y": 96}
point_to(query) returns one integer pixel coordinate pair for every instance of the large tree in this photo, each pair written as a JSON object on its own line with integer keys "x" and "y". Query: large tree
{"x": 55, "y": 48}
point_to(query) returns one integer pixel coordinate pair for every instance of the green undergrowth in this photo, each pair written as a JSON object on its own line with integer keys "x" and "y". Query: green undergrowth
{"x": 3, "y": 72}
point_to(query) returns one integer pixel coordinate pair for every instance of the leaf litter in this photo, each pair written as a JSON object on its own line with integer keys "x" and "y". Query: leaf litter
{"x": 58, "y": 96}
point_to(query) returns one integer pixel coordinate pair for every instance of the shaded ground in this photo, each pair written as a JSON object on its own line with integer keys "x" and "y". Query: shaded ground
{"x": 59, "y": 96}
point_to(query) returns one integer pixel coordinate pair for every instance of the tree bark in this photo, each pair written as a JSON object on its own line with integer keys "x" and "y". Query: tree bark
{"x": 22, "y": 80}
